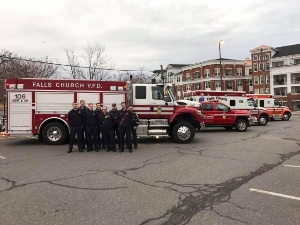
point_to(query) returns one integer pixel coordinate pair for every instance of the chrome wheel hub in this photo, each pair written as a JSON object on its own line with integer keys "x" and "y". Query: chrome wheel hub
{"x": 54, "y": 134}
{"x": 183, "y": 133}
{"x": 242, "y": 125}
{"x": 262, "y": 120}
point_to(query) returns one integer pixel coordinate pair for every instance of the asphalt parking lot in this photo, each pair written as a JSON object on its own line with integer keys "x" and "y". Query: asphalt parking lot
{"x": 222, "y": 177}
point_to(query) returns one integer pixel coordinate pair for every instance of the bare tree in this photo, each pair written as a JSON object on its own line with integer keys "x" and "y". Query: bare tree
{"x": 138, "y": 77}
{"x": 94, "y": 58}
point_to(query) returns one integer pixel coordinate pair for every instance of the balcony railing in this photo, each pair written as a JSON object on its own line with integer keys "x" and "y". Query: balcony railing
{"x": 295, "y": 81}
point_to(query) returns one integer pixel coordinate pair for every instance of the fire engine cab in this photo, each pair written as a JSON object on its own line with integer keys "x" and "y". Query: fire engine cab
{"x": 234, "y": 99}
{"x": 274, "y": 106}
{"x": 40, "y": 107}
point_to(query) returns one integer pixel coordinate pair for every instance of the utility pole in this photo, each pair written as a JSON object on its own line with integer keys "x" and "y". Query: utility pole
{"x": 162, "y": 74}
{"x": 221, "y": 80}
{"x": 263, "y": 70}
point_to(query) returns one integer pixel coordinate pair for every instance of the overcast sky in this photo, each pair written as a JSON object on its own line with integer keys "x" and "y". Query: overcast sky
{"x": 148, "y": 32}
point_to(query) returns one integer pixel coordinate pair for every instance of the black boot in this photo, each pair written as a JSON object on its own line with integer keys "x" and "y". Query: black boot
{"x": 135, "y": 146}
{"x": 121, "y": 150}
{"x": 130, "y": 150}
{"x": 70, "y": 150}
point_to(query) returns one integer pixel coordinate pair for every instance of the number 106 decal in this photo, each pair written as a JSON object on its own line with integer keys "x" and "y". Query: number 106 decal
{"x": 19, "y": 98}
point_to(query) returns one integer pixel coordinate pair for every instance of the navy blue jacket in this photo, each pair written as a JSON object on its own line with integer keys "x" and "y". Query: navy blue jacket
{"x": 92, "y": 118}
{"x": 75, "y": 118}
{"x": 107, "y": 122}
{"x": 136, "y": 120}
{"x": 124, "y": 118}
{"x": 114, "y": 115}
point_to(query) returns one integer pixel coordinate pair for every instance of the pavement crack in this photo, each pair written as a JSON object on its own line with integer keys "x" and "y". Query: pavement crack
{"x": 229, "y": 217}
{"x": 203, "y": 196}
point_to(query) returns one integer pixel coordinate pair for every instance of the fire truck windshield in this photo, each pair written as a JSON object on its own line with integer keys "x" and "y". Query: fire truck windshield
{"x": 171, "y": 94}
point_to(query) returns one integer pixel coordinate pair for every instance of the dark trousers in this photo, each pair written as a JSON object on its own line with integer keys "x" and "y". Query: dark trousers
{"x": 109, "y": 139}
{"x": 116, "y": 132}
{"x": 99, "y": 136}
{"x": 122, "y": 132}
{"x": 73, "y": 132}
{"x": 92, "y": 139}
{"x": 83, "y": 137}
{"x": 134, "y": 136}
{"x": 102, "y": 142}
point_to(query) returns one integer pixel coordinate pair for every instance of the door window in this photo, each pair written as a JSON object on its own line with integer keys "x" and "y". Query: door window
{"x": 157, "y": 93}
{"x": 221, "y": 107}
{"x": 207, "y": 107}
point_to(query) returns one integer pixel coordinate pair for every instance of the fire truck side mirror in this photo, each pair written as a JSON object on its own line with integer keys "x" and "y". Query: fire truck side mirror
{"x": 229, "y": 109}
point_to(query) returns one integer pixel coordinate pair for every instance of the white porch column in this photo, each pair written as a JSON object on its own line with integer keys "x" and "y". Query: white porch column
{"x": 288, "y": 83}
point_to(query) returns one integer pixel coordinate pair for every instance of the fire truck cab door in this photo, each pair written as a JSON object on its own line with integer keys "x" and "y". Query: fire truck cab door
{"x": 224, "y": 115}
{"x": 158, "y": 104}
{"x": 19, "y": 113}
{"x": 208, "y": 113}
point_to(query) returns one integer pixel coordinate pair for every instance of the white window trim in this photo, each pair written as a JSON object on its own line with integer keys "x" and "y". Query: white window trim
{"x": 217, "y": 72}
{"x": 256, "y": 91}
{"x": 255, "y": 64}
{"x": 256, "y": 80}
{"x": 239, "y": 71}
{"x": 255, "y": 58}
{"x": 207, "y": 72}
{"x": 261, "y": 79}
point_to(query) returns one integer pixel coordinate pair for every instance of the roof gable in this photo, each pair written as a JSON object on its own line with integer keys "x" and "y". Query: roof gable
{"x": 287, "y": 50}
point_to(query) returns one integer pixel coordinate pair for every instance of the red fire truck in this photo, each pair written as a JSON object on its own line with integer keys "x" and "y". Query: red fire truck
{"x": 40, "y": 107}
{"x": 234, "y": 99}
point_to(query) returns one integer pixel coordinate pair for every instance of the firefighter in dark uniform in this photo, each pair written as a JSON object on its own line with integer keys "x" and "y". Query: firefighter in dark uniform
{"x": 108, "y": 131}
{"x": 125, "y": 118}
{"x": 134, "y": 125}
{"x": 75, "y": 121}
{"x": 83, "y": 109}
{"x": 100, "y": 113}
{"x": 113, "y": 113}
{"x": 92, "y": 121}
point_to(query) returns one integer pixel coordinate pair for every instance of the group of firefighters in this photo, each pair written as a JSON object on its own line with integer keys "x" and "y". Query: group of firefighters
{"x": 98, "y": 128}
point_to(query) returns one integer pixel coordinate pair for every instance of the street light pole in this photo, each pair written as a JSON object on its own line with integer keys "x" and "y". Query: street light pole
{"x": 221, "y": 80}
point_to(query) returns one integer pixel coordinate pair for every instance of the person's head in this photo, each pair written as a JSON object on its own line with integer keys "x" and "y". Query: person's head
{"x": 114, "y": 106}
{"x": 91, "y": 106}
{"x": 104, "y": 109}
{"x": 75, "y": 105}
{"x": 123, "y": 105}
{"x": 82, "y": 103}
{"x": 130, "y": 108}
{"x": 98, "y": 106}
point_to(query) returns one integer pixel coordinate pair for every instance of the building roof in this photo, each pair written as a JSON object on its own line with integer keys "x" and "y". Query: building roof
{"x": 179, "y": 65}
{"x": 287, "y": 50}
{"x": 226, "y": 59}
{"x": 263, "y": 47}
{"x": 248, "y": 62}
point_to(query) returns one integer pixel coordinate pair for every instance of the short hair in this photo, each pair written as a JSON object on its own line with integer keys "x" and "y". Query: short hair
{"x": 122, "y": 103}
{"x": 98, "y": 104}
{"x": 82, "y": 101}
{"x": 104, "y": 108}
{"x": 90, "y": 104}
{"x": 74, "y": 103}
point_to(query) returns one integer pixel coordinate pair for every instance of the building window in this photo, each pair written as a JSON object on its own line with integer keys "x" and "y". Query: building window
{"x": 256, "y": 91}
{"x": 188, "y": 87}
{"x": 267, "y": 66}
{"x": 261, "y": 79}
{"x": 157, "y": 93}
{"x": 267, "y": 56}
{"x": 278, "y": 64}
{"x": 218, "y": 84}
{"x": 217, "y": 72}
{"x": 197, "y": 75}
{"x": 255, "y": 58}
{"x": 256, "y": 82}
{"x": 250, "y": 82}
{"x": 188, "y": 76}
{"x": 261, "y": 66}
{"x": 229, "y": 84}
{"x": 262, "y": 91}
{"x": 206, "y": 73}
{"x": 228, "y": 72}
{"x": 255, "y": 67}
{"x": 267, "y": 79}
{"x": 239, "y": 71}
{"x": 267, "y": 91}
{"x": 239, "y": 83}
{"x": 207, "y": 84}
{"x": 296, "y": 61}
{"x": 250, "y": 71}
{"x": 178, "y": 88}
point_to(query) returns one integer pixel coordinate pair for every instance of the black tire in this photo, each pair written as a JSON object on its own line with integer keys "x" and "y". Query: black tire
{"x": 187, "y": 129}
{"x": 263, "y": 121}
{"x": 51, "y": 139}
{"x": 229, "y": 128}
{"x": 286, "y": 116}
{"x": 241, "y": 125}
{"x": 40, "y": 137}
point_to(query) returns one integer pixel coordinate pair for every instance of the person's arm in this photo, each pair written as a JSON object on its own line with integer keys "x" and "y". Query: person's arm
{"x": 69, "y": 117}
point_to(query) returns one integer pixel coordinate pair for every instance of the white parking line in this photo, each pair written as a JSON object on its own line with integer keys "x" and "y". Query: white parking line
{"x": 275, "y": 194}
{"x": 292, "y": 166}
{"x": 2, "y": 157}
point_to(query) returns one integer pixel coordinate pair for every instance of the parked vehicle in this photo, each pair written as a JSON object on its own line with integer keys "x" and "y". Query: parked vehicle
{"x": 40, "y": 107}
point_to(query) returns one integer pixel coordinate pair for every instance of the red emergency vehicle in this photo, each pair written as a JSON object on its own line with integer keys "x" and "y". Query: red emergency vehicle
{"x": 40, "y": 107}
{"x": 237, "y": 100}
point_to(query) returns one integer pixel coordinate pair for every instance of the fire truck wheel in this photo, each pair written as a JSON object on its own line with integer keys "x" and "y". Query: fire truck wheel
{"x": 286, "y": 116}
{"x": 263, "y": 120}
{"x": 54, "y": 134}
{"x": 183, "y": 132}
{"x": 241, "y": 125}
